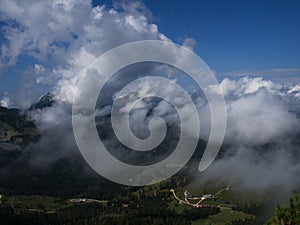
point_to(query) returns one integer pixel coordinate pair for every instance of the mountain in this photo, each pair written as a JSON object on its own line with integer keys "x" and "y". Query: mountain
{"x": 44, "y": 102}
{"x": 15, "y": 129}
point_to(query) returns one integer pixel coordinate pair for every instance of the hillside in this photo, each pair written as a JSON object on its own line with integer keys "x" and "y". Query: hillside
{"x": 15, "y": 129}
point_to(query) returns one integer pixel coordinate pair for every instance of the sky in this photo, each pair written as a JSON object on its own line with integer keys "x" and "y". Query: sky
{"x": 234, "y": 35}
{"x": 235, "y": 38}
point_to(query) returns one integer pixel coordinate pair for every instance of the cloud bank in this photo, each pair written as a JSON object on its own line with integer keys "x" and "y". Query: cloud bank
{"x": 262, "y": 136}
{"x": 57, "y": 39}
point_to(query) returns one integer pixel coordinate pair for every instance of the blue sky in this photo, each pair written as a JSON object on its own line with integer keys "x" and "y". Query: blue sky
{"x": 234, "y": 35}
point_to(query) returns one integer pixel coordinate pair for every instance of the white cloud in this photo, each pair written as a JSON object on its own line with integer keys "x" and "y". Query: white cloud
{"x": 257, "y": 111}
{"x": 189, "y": 42}
{"x": 294, "y": 91}
{"x": 5, "y": 102}
{"x": 261, "y": 136}
{"x": 69, "y": 35}
{"x": 139, "y": 24}
{"x": 258, "y": 119}
{"x": 38, "y": 68}
{"x": 296, "y": 88}
{"x": 247, "y": 85}
{"x": 66, "y": 36}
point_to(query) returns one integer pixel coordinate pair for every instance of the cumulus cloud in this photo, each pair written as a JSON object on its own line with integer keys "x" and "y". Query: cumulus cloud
{"x": 247, "y": 85}
{"x": 258, "y": 111}
{"x": 68, "y": 35}
{"x": 261, "y": 145}
{"x": 57, "y": 39}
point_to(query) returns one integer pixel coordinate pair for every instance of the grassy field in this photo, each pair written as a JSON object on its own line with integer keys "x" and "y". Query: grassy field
{"x": 226, "y": 215}
{"x": 225, "y": 202}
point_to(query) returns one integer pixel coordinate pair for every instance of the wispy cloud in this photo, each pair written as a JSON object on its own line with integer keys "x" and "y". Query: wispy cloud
{"x": 274, "y": 72}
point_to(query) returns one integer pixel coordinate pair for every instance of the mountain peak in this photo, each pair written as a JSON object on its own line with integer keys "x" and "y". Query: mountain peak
{"x": 44, "y": 102}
